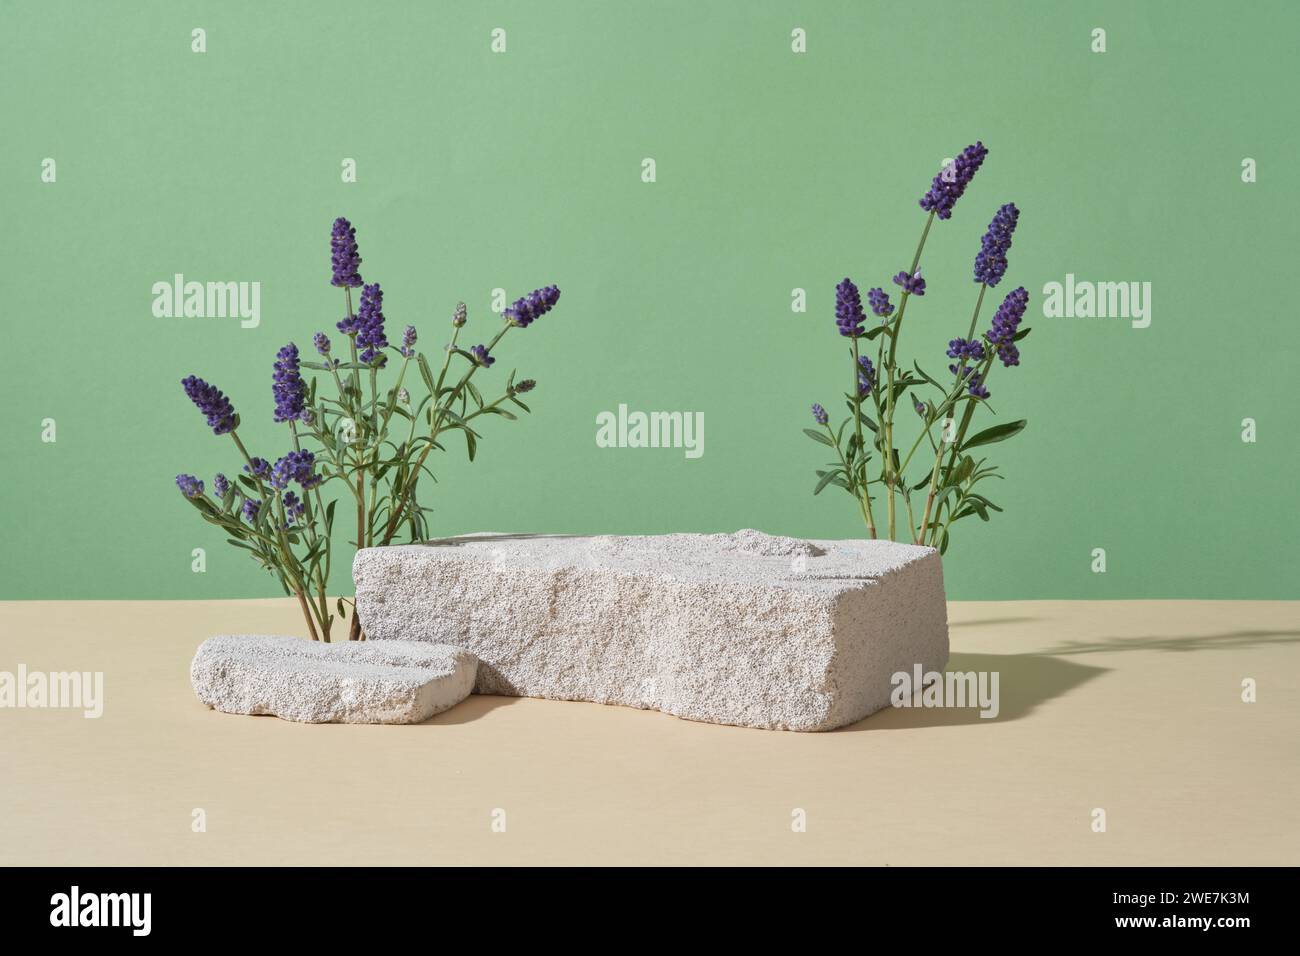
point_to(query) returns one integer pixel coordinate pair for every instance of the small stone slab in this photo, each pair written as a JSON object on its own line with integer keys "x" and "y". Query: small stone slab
{"x": 742, "y": 628}
{"x": 359, "y": 682}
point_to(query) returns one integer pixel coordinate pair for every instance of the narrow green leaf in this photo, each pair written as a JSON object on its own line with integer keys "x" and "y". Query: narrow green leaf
{"x": 923, "y": 375}
{"x": 425, "y": 373}
{"x": 826, "y": 479}
{"x": 995, "y": 434}
{"x": 818, "y": 436}
{"x": 862, "y": 417}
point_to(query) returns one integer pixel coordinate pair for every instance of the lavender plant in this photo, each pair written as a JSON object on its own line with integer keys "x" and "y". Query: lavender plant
{"x": 870, "y": 467}
{"x": 354, "y": 433}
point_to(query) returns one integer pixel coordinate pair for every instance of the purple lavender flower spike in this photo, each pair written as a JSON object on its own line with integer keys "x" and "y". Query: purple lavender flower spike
{"x": 322, "y": 343}
{"x": 962, "y": 349}
{"x": 912, "y": 285}
{"x": 920, "y": 408}
{"x": 251, "y": 507}
{"x": 295, "y": 466}
{"x": 991, "y": 262}
{"x": 524, "y": 311}
{"x": 459, "y": 317}
{"x": 305, "y": 475}
{"x": 287, "y": 386}
{"x": 526, "y": 385}
{"x": 481, "y": 356}
{"x": 261, "y": 468}
{"x": 293, "y": 508}
{"x": 220, "y": 485}
{"x": 280, "y": 476}
{"x": 407, "y": 349}
{"x": 190, "y": 486}
{"x": 370, "y": 324}
{"x": 1006, "y": 321}
{"x": 866, "y": 375}
{"x": 976, "y": 387}
{"x": 212, "y": 403}
{"x": 848, "y": 309}
{"x": 952, "y": 181}
{"x": 819, "y": 414}
{"x": 879, "y": 302}
{"x": 343, "y": 254}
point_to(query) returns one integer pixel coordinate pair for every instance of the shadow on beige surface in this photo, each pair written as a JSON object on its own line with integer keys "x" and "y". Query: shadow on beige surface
{"x": 1025, "y": 681}
{"x": 472, "y": 708}
{"x": 1132, "y": 706}
{"x": 1233, "y": 640}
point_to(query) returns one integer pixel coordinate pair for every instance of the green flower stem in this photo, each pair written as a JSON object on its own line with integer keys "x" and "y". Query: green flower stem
{"x": 848, "y": 472}
{"x": 334, "y": 460}
{"x": 942, "y": 410}
{"x": 374, "y": 449}
{"x": 865, "y": 498}
{"x": 487, "y": 409}
{"x": 435, "y": 426}
{"x": 354, "y": 630}
{"x": 410, "y": 438}
{"x": 446, "y": 360}
{"x": 346, "y": 403}
{"x": 983, "y": 374}
{"x": 374, "y": 399}
{"x": 887, "y": 426}
{"x": 266, "y": 547}
{"x": 952, "y": 509}
{"x": 381, "y": 433}
{"x": 356, "y": 452}
{"x": 938, "y": 457}
{"x": 322, "y": 575}
{"x": 392, "y": 397}
{"x": 907, "y": 500}
{"x": 291, "y": 562}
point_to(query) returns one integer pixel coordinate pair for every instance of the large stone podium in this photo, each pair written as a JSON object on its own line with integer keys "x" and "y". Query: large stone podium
{"x": 740, "y": 628}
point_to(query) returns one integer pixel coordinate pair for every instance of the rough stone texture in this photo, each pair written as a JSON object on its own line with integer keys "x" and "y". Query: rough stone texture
{"x": 368, "y": 682}
{"x": 731, "y": 628}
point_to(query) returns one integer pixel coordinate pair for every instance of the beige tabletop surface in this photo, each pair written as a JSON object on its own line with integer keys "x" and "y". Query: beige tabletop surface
{"x": 1132, "y": 708}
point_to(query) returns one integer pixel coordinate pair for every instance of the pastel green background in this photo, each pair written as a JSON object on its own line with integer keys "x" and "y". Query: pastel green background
{"x": 775, "y": 171}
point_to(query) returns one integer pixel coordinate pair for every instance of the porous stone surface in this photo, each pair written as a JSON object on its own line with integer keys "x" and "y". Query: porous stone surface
{"x": 365, "y": 682}
{"x": 741, "y": 628}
